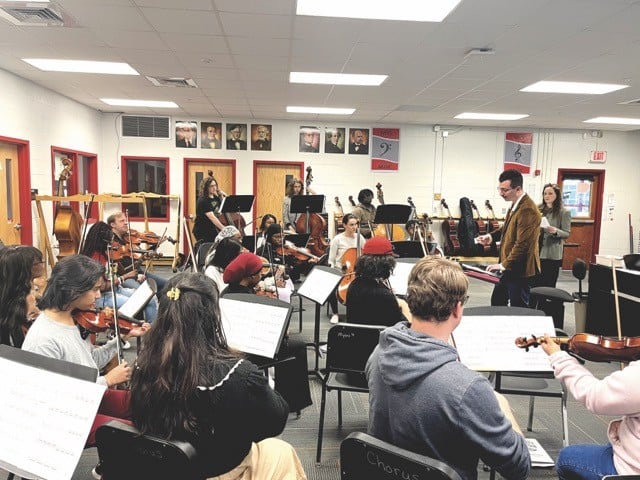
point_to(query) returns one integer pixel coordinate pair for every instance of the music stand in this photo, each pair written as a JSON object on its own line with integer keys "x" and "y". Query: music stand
{"x": 307, "y": 204}
{"x": 237, "y": 203}
{"x": 392, "y": 214}
{"x": 408, "y": 249}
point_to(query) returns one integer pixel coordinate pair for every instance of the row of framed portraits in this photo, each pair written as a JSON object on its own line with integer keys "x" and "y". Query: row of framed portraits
{"x": 237, "y": 136}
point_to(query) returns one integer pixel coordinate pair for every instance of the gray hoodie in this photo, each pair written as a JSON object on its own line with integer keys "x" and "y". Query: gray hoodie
{"x": 424, "y": 400}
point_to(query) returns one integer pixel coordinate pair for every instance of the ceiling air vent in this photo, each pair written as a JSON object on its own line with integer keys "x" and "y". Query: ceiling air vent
{"x": 146, "y": 127}
{"x": 173, "y": 82}
{"x": 34, "y": 14}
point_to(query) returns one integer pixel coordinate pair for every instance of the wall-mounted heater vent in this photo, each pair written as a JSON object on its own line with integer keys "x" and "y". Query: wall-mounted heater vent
{"x": 148, "y": 127}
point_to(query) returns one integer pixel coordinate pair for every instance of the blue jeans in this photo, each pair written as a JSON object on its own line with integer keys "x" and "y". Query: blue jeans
{"x": 160, "y": 282}
{"x": 585, "y": 462}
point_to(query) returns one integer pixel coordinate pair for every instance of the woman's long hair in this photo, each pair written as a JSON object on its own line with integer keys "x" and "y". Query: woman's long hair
{"x": 72, "y": 277}
{"x": 228, "y": 249}
{"x": 204, "y": 186}
{"x": 97, "y": 239}
{"x": 17, "y": 264}
{"x": 556, "y": 207}
{"x": 266, "y": 217}
{"x": 180, "y": 353}
{"x": 290, "y": 185}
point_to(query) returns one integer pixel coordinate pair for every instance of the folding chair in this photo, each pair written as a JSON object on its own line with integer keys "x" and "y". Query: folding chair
{"x": 534, "y": 384}
{"x": 364, "y": 456}
{"x": 126, "y": 454}
{"x": 348, "y": 349}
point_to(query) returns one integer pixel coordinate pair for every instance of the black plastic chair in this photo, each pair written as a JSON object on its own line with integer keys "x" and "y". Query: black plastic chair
{"x": 365, "y": 457}
{"x": 348, "y": 349}
{"x": 128, "y": 455}
{"x": 551, "y": 301}
{"x": 533, "y": 384}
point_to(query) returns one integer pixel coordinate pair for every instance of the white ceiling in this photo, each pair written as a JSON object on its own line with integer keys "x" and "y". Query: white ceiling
{"x": 240, "y": 53}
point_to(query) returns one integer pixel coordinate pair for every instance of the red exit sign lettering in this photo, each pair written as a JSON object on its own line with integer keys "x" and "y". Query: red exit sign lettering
{"x": 598, "y": 156}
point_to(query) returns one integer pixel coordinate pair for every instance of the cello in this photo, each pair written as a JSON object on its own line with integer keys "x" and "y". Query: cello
{"x": 391, "y": 232}
{"x": 450, "y": 232}
{"x": 483, "y": 226}
{"x": 67, "y": 225}
{"x": 314, "y": 225}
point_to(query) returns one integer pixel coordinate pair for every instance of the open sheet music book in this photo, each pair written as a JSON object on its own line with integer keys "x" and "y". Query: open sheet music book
{"x": 45, "y": 416}
{"x": 487, "y": 344}
{"x": 254, "y": 324}
{"x": 140, "y": 298}
{"x": 399, "y": 279}
{"x": 320, "y": 283}
{"x": 539, "y": 456}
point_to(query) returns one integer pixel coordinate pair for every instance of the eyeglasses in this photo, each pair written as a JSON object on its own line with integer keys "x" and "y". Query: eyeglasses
{"x": 504, "y": 190}
{"x": 464, "y": 299}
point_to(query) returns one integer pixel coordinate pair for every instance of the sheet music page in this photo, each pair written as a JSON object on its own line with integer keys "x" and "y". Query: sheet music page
{"x": 44, "y": 420}
{"x": 539, "y": 456}
{"x": 400, "y": 277}
{"x": 137, "y": 301}
{"x": 319, "y": 284}
{"x": 488, "y": 343}
{"x": 253, "y": 327}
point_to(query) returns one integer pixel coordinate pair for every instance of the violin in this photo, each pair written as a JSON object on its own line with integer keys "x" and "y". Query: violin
{"x": 299, "y": 253}
{"x": 99, "y": 321}
{"x": 594, "y": 348}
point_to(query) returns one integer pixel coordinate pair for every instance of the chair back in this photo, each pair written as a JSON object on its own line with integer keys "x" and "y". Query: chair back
{"x": 349, "y": 346}
{"x": 201, "y": 254}
{"x": 363, "y": 456}
{"x": 502, "y": 311}
{"x": 127, "y": 455}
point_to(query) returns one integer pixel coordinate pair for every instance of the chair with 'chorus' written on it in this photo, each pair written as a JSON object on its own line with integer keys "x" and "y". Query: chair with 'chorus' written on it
{"x": 348, "y": 349}
{"x": 363, "y": 456}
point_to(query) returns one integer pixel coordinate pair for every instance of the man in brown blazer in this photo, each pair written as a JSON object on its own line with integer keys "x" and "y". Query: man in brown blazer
{"x": 519, "y": 253}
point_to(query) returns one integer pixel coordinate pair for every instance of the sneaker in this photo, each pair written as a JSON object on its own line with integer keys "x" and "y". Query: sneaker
{"x": 97, "y": 471}
{"x": 334, "y": 318}
{"x": 126, "y": 345}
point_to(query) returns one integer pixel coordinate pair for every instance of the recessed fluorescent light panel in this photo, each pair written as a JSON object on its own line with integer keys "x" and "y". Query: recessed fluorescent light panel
{"x": 408, "y": 10}
{"x": 614, "y": 120}
{"x": 490, "y": 116}
{"x": 124, "y": 102}
{"x": 585, "y": 88}
{"x": 337, "y": 78}
{"x": 321, "y": 110}
{"x": 81, "y": 66}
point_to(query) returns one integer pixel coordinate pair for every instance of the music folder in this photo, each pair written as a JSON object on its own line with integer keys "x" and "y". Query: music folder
{"x": 136, "y": 302}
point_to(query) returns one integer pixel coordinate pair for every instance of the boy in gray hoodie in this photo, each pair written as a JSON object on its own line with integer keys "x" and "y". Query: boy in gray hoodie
{"x": 424, "y": 400}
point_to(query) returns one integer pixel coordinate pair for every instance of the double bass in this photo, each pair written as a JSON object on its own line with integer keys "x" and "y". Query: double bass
{"x": 391, "y": 232}
{"x": 450, "y": 232}
{"x": 67, "y": 225}
{"x": 314, "y": 225}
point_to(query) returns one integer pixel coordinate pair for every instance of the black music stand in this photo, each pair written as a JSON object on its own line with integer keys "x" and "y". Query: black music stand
{"x": 307, "y": 204}
{"x": 249, "y": 242}
{"x": 412, "y": 249}
{"x": 392, "y": 214}
{"x": 237, "y": 203}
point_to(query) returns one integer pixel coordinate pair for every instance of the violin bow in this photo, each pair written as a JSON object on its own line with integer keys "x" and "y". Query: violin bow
{"x": 616, "y": 300}
{"x": 85, "y": 224}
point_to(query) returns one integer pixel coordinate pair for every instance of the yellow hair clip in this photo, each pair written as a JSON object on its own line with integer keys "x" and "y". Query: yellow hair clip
{"x": 174, "y": 293}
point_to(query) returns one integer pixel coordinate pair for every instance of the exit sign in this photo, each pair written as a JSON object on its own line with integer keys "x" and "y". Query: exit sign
{"x": 598, "y": 156}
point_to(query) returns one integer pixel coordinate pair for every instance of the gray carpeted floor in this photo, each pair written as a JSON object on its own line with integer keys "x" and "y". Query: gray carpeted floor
{"x": 584, "y": 427}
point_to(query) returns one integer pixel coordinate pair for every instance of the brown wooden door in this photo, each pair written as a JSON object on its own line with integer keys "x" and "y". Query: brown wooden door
{"x": 582, "y": 192}
{"x": 9, "y": 190}
{"x": 270, "y": 183}
{"x": 197, "y": 170}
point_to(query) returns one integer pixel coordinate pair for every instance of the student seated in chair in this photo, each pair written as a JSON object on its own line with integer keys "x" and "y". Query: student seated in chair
{"x": 616, "y": 394}
{"x": 188, "y": 385}
{"x": 424, "y": 400}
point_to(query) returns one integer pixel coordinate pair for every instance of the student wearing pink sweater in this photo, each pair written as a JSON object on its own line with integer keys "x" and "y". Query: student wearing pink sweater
{"x": 616, "y": 394}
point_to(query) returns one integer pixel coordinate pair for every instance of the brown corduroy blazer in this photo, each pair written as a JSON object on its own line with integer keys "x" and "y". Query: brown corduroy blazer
{"x": 519, "y": 252}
